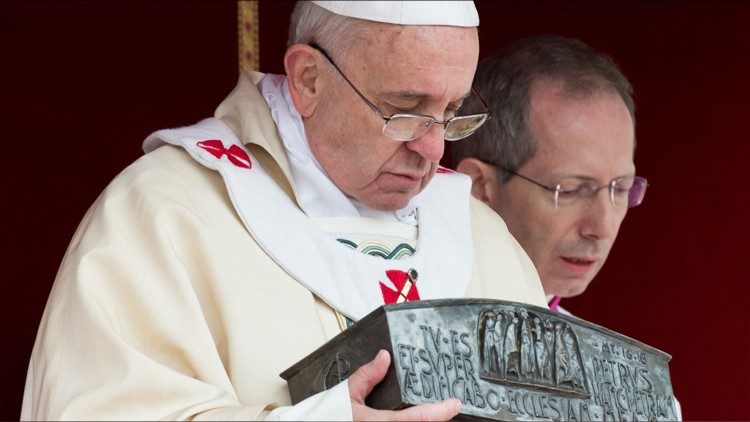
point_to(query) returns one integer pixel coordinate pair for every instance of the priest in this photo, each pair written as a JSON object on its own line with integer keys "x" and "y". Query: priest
{"x": 236, "y": 246}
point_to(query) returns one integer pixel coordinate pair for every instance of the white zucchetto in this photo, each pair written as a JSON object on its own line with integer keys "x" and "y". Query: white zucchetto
{"x": 450, "y": 13}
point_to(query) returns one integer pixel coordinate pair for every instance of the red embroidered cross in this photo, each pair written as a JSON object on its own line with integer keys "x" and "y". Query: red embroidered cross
{"x": 406, "y": 287}
{"x": 235, "y": 154}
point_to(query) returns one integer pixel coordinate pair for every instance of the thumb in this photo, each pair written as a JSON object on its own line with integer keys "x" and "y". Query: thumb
{"x": 364, "y": 379}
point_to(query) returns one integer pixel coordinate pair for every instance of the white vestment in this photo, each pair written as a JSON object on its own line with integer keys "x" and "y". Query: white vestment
{"x": 166, "y": 306}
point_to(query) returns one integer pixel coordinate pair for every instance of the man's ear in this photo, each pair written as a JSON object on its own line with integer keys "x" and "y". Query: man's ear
{"x": 301, "y": 65}
{"x": 484, "y": 178}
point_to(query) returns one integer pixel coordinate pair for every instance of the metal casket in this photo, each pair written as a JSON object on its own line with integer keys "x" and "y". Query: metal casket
{"x": 503, "y": 360}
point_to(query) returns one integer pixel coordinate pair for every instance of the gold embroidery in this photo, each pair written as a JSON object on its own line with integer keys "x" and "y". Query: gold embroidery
{"x": 343, "y": 320}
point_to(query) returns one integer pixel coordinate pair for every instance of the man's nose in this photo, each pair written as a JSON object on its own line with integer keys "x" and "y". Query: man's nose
{"x": 601, "y": 219}
{"x": 431, "y": 145}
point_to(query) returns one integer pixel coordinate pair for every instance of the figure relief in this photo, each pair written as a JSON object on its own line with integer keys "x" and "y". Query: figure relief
{"x": 528, "y": 362}
{"x": 491, "y": 344}
{"x": 541, "y": 349}
{"x": 575, "y": 364}
{"x": 512, "y": 358}
{"x": 562, "y": 365}
{"x": 520, "y": 347}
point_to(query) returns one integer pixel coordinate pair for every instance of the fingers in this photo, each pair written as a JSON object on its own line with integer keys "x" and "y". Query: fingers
{"x": 364, "y": 379}
{"x": 442, "y": 411}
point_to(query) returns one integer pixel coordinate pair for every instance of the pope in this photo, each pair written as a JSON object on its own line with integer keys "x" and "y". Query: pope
{"x": 236, "y": 246}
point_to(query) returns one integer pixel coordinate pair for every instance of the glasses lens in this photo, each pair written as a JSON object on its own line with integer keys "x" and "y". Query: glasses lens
{"x": 637, "y": 191}
{"x": 406, "y": 127}
{"x": 620, "y": 190}
{"x": 460, "y": 127}
{"x": 570, "y": 191}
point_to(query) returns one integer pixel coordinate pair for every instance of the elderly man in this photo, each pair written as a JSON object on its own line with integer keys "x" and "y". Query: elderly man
{"x": 556, "y": 161}
{"x": 225, "y": 254}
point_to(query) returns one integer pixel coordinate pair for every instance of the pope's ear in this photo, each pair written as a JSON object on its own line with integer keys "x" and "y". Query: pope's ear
{"x": 483, "y": 178}
{"x": 301, "y": 65}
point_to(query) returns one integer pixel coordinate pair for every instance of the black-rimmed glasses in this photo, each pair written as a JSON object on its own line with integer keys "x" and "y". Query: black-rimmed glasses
{"x": 409, "y": 126}
{"x": 628, "y": 190}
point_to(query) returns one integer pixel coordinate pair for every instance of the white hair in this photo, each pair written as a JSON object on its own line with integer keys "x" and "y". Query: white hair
{"x": 337, "y": 34}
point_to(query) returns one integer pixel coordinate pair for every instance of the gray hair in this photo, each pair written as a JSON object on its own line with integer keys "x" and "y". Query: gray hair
{"x": 505, "y": 81}
{"x": 337, "y": 34}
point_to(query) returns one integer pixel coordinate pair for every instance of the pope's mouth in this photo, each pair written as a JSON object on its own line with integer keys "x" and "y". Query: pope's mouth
{"x": 406, "y": 181}
{"x": 413, "y": 176}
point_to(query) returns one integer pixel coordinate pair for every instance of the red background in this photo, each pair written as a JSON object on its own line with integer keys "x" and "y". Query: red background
{"x": 83, "y": 83}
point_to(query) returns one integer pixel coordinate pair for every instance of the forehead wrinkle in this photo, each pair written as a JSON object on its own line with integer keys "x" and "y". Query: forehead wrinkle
{"x": 598, "y": 121}
{"x": 586, "y": 177}
{"x": 406, "y": 94}
{"x": 418, "y": 95}
{"x": 388, "y": 68}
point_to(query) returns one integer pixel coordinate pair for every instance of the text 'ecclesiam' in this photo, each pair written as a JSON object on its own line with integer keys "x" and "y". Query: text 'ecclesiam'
{"x": 522, "y": 364}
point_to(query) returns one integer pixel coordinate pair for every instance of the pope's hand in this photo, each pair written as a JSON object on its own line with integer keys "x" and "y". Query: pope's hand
{"x": 364, "y": 379}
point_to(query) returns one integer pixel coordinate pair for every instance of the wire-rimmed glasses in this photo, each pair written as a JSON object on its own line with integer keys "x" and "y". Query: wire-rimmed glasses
{"x": 409, "y": 126}
{"x": 628, "y": 190}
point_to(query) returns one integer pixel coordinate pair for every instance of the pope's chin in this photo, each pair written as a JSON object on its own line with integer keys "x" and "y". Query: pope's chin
{"x": 394, "y": 192}
{"x": 391, "y": 201}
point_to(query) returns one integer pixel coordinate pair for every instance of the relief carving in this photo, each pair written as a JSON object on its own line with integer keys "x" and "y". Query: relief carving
{"x": 503, "y": 361}
{"x": 519, "y": 347}
{"x": 332, "y": 373}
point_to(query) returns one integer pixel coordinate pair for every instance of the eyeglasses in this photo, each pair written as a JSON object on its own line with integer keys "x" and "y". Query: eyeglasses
{"x": 408, "y": 126}
{"x": 623, "y": 191}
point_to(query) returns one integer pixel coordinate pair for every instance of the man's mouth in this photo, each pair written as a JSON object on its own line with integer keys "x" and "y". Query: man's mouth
{"x": 578, "y": 261}
{"x": 578, "y": 267}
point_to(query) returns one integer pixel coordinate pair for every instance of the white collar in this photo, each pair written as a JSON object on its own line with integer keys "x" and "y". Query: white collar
{"x": 319, "y": 197}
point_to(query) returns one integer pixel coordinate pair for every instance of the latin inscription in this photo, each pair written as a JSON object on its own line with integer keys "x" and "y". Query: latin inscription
{"x": 623, "y": 388}
{"x": 453, "y": 363}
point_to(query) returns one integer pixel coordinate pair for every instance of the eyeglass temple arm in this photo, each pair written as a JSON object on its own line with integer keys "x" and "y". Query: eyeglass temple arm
{"x": 555, "y": 189}
{"x": 338, "y": 69}
{"x": 487, "y": 108}
{"x": 369, "y": 103}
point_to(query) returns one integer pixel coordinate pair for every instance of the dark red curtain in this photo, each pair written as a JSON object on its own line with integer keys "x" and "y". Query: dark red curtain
{"x": 82, "y": 83}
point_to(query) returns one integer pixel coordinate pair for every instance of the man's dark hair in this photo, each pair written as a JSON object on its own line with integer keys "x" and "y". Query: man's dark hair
{"x": 505, "y": 80}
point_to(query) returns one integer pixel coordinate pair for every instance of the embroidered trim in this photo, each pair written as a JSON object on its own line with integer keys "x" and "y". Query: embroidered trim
{"x": 375, "y": 248}
{"x": 405, "y": 284}
{"x": 343, "y": 320}
{"x": 234, "y": 153}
